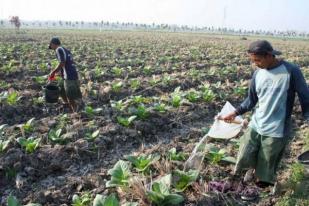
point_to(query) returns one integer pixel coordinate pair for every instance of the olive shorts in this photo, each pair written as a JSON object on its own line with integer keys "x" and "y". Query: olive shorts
{"x": 261, "y": 153}
{"x": 70, "y": 89}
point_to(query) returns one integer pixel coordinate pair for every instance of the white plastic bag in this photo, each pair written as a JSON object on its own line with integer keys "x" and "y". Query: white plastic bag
{"x": 223, "y": 130}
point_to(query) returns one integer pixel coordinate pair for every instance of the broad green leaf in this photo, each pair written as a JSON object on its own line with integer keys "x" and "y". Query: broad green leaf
{"x": 166, "y": 180}
{"x": 12, "y": 201}
{"x": 58, "y": 132}
{"x": 229, "y": 159}
{"x": 100, "y": 200}
{"x": 29, "y": 122}
{"x": 160, "y": 194}
{"x": 142, "y": 162}
{"x": 173, "y": 155}
{"x": 131, "y": 118}
{"x": 120, "y": 174}
{"x": 173, "y": 199}
{"x": 183, "y": 179}
{"x": 95, "y": 133}
{"x": 4, "y": 145}
{"x": 155, "y": 197}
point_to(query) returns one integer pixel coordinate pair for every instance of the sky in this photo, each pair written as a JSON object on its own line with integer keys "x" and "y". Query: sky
{"x": 239, "y": 14}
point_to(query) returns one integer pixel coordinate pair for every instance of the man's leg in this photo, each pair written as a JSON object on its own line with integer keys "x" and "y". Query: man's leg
{"x": 268, "y": 158}
{"x": 63, "y": 92}
{"x": 72, "y": 105}
{"x": 248, "y": 151}
{"x": 73, "y": 93}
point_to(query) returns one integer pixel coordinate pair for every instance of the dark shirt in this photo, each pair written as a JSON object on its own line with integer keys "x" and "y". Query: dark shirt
{"x": 69, "y": 70}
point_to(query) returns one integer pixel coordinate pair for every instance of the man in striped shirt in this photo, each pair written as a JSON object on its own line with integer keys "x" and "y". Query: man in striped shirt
{"x": 69, "y": 86}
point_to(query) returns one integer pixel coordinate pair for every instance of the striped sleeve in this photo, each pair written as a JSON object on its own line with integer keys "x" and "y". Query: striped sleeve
{"x": 61, "y": 55}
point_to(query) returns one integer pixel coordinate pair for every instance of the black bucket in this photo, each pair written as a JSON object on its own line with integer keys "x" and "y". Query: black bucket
{"x": 304, "y": 158}
{"x": 51, "y": 93}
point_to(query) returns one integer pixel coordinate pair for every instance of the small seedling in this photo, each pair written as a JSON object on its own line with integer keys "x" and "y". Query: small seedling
{"x": 143, "y": 162}
{"x": 83, "y": 200}
{"x": 126, "y": 121}
{"x": 92, "y": 136}
{"x": 30, "y": 144}
{"x": 110, "y": 200}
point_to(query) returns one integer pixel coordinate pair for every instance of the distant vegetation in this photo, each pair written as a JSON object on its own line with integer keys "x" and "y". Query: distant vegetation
{"x": 108, "y": 25}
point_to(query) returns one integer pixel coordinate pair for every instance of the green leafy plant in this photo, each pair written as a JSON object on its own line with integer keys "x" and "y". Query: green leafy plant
{"x": 117, "y": 71}
{"x": 3, "y": 145}
{"x": 120, "y": 175}
{"x": 56, "y": 136}
{"x": 173, "y": 155}
{"x": 135, "y": 84}
{"x": 183, "y": 179}
{"x": 215, "y": 155}
{"x": 12, "y": 98}
{"x": 176, "y": 97}
{"x": 143, "y": 162}
{"x": 194, "y": 74}
{"x": 206, "y": 93}
{"x": 30, "y": 144}
{"x": 240, "y": 91}
{"x": 117, "y": 86}
{"x": 141, "y": 112}
{"x": 40, "y": 79}
{"x": 38, "y": 100}
{"x": 154, "y": 80}
{"x": 297, "y": 174}
{"x": 208, "y": 96}
{"x": 126, "y": 121}
{"x": 90, "y": 111}
{"x": 167, "y": 79}
{"x": 13, "y": 201}
{"x": 98, "y": 71}
{"x": 193, "y": 96}
{"x": 92, "y": 136}
{"x": 147, "y": 70}
{"x": 110, "y": 200}
{"x": 62, "y": 121}
{"x": 160, "y": 107}
{"x": 140, "y": 99}
{"x": 4, "y": 85}
{"x": 83, "y": 200}
{"x": 160, "y": 194}
{"x": 119, "y": 105}
{"x": 28, "y": 127}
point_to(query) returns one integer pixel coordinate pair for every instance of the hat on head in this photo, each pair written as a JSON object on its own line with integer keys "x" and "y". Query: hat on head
{"x": 54, "y": 40}
{"x": 262, "y": 47}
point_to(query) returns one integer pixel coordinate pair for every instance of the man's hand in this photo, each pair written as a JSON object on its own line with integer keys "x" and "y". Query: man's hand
{"x": 51, "y": 76}
{"x": 229, "y": 117}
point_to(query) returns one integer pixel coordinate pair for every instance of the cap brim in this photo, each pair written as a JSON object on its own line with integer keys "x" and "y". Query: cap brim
{"x": 275, "y": 52}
